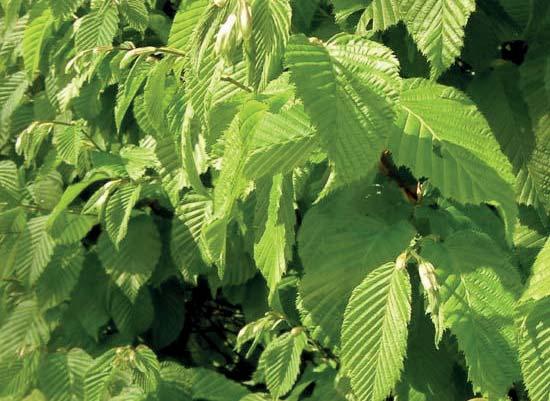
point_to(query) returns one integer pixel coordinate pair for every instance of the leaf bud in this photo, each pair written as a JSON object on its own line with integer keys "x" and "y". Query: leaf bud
{"x": 219, "y": 3}
{"x": 245, "y": 19}
{"x": 296, "y": 331}
{"x": 401, "y": 261}
{"x": 226, "y": 38}
{"x": 427, "y": 276}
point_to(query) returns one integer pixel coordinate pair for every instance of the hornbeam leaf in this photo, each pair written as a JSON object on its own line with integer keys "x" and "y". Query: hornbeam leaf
{"x": 478, "y": 290}
{"x": 281, "y": 362}
{"x": 374, "y": 333}
{"x": 349, "y": 86}
{"x": 444, "y": 138}
{"x": 437, "y": 27}
{"x": 138, "y": 253}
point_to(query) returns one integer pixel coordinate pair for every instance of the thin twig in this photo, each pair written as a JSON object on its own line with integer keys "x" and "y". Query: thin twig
{"x": 236, "y": 83}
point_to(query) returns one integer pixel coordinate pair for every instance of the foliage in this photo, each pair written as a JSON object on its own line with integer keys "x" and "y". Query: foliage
{"x": 247, "y": 200}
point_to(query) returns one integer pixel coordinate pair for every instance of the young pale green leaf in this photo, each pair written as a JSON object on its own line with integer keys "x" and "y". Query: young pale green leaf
{"x": 280, "y": 362}
{"x": 119, "y": 209}
{"x": 36, "y": 252}
{"x": 191, "y": 216}
{"x": 478, "y": 289}
{"x": 349, "y": 87}
{"x": 458, "y": 153}
{"x": 135, "y": 12}
{"x": 534, "y": 353}
{"x": 437, "y": 27}
{"x": 97, "y": 29}
{"x": 270, "y": 33}
{"x": 186, "y": 22}
{"x": 374, "y": 332}
{"x": 129, "y": 89}
{"x": 68, "y": 142}
{"x": 35, "y": 32}
{"x": 275, "y": 213}
{"x": 231, "y": 182}
{"x": 138, "y": 253}
{"x": 280, "y": 143}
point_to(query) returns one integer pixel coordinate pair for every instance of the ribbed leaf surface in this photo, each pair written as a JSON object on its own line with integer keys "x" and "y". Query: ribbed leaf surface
{"x": 281, "y": 362}
{"x": 275, "y": 236}
{"x": 331, "y": 243}
{"x": 478, "y": 294}
{"x": 437, "y": 27}
{"x": 35, "y": 32}
{"x": 374, "y": 333}
{"x": 132, "y": 264}
{"x": 534, "y": 350}
{"x": 185, "y": 22}
{"x": 187, "y": 227}
{"x": 270, "y": 33}
{"x": 98, "y": 28}
{"x": 443, "y": 137}
{"x": 119, "y": 209}
{"x": 61, "y": 377}
{"x": 349, "y": 87}
{"x": 538, "y": 286}
{"x": 280, "y": 143}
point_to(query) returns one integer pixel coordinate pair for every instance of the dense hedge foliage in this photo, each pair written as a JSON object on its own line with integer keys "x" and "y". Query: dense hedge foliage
{"x": 247, "y": 200}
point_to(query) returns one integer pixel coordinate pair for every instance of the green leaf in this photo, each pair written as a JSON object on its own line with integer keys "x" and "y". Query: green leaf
{"x": 18, "y": 374}
{"x": 97, "y": 29}
{"x": 96, "y": 381}
{"x": 458, "y": 154}
{"x": 231, "y": 182}
{"x": 379, "y": 16}
{"x": 60, "y": 276}
{"x": 119, "y": 209}
{"x": 68, "y": 142}
{"x": 64, "y": 9}
{"x": 212, "y": 386}
{"x": 534, "y": 80}
{"x": 275, "y": 237}
{"x": 38, "y": 250}
{"x": 437, "y": 27}
{"x": 138, "y": 253}
{"x": 374, "y": 333}
{"x": 281, "y": 362}
{"x": 538, "y": 286}
{"x": 534, "y": 352}
{"x": 188, "y": 143}
{"x": 135, "y": 12}
{"x": 23, "y": 329}
{"x": 280, "y": 143}
{"x": 61, "y": 377}
{"x": 329, "y": 243}
{"x": 478, "y": 290}
{"x": 191, "y": 216}
{"x": 35, "y": 33}
{"x": 270, "y": 33}
{"x": 185, "y": 22}
{"x": 131, "y": 317}
{"x": 130, "y": 88}
{"x": 70, "y": 194}
{"x": 10, "y": 184}
{"x": 349, "y": 87}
